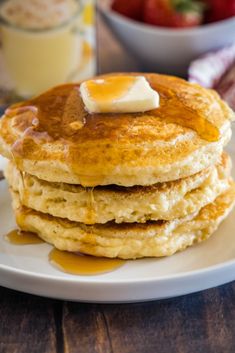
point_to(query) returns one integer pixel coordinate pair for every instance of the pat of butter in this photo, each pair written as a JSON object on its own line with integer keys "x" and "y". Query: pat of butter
{"x": 119, "y": 94}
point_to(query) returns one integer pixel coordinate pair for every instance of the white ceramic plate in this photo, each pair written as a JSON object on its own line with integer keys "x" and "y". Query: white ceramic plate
{"x": 209, "y": 264}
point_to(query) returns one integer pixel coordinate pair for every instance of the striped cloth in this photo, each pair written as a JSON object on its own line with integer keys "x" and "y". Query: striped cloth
{"x": 216, "y": 70}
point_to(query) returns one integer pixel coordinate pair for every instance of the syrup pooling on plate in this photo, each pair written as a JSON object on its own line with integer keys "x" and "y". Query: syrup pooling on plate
{"x": 78, "y": 264}
{"x": 74, "y": 263}
{"x": 18, "y": 237}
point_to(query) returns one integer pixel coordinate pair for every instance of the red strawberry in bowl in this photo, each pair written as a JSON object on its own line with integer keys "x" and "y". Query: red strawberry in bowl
{"x": 220, "y": 10}
{"x": 129, "y": 8}
{"x": 174, "y": 13}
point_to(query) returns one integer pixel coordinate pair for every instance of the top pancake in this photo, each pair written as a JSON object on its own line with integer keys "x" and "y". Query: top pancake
{"x": 54, "y": 138}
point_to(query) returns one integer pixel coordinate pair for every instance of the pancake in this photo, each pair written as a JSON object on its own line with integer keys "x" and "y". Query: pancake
{"x": 127, "y": 241}
{"x": 165, "y": 201}
{"x": 54, "y": 138}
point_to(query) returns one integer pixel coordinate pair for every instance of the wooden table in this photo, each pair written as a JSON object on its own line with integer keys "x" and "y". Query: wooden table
{"x": 199, "y": 323}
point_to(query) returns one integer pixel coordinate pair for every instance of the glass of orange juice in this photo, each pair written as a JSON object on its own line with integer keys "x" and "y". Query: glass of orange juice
{"x": 46, "y": 42}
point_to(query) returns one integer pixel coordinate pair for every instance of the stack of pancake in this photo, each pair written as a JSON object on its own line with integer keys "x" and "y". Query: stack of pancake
{"x": 120, "y": 185}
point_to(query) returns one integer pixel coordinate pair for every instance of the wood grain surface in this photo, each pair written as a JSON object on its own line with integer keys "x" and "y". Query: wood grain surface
{"x": 199, "y": 323}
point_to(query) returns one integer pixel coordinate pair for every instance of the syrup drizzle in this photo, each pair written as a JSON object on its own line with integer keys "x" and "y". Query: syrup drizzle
{"x": 59, "y": 115}
{"x": 174, "y": 109}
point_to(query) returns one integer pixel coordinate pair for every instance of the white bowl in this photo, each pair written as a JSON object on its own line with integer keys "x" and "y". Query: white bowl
{"x": 167, "y": 50}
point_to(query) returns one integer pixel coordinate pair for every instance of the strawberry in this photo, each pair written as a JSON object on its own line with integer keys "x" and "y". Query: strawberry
{"x": 173, "y": 13}
{"x": 129, "y": 8}
{"x": 220, "y": 9}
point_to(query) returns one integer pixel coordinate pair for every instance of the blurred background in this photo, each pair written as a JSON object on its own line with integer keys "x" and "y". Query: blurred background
{"x": 45, "y": 43}
{"x": 48, "y": 42}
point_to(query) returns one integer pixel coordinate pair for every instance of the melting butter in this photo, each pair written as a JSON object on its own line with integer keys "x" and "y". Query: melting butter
{"x": 119, "y": 94}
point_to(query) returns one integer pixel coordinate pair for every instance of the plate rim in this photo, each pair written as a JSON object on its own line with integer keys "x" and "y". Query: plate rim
{"x": 91, "y": 279}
